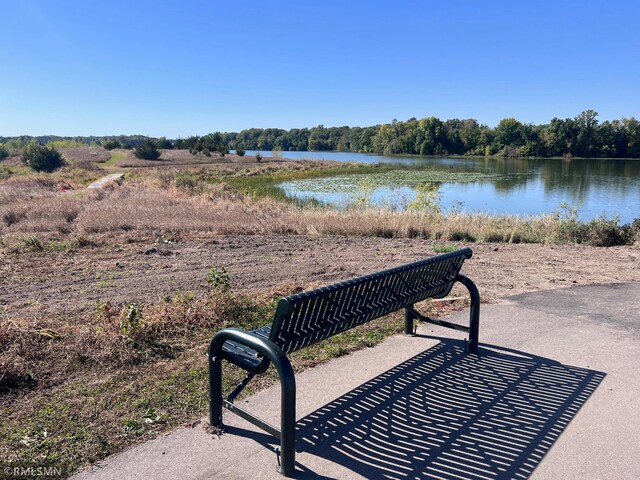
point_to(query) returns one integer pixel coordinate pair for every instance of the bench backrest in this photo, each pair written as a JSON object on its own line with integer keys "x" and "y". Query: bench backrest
{"x": 308, "y": 317}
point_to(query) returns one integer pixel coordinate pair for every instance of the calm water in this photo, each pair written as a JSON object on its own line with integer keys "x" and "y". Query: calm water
{"x": 514, "y": 186}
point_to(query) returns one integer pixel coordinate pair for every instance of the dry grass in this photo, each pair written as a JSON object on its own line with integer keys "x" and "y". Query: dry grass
{"x": 124, "y": 374}
{"x": 25, "y": 188}
{"x": 165, "y": 202}
{"x": 85, "y": 155}
{"x": 174, "y": 158}
{"x": 42, "y": 351}
{"x": 120, "y": 374}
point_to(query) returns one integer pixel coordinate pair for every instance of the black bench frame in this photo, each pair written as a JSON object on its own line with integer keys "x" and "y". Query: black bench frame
{"x": 306, "y": 318}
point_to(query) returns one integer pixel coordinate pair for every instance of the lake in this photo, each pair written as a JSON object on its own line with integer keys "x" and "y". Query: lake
{"x": 493, "y": 185}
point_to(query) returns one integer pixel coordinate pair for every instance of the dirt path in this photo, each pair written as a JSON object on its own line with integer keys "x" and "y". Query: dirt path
{"x": 70, "y": 283}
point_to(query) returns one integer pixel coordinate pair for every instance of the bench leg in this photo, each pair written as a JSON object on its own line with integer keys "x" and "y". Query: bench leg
{"x": 474, "y": 312}
{"x": 408, "y": 320}
{"x": 287, "y": 415}
{"x": 215, "y": 392}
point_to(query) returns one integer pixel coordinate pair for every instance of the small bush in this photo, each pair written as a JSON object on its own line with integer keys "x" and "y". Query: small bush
{"x": 219, "y": 279}
{"x": 605, "y": 232}
{"x": 131, "y": 319}
{"x": 4, "y": 152}
{"x": 188, "y": 181}
{"x": 147, "y": 150}
{"x": 258, "y": 157}
{"x": 461, "y": 236}
{"x": 41, "y": 158}
{"x": 240, "y": 152}
{"x": 32, "y": 244}
{"x": 427, "y": 199}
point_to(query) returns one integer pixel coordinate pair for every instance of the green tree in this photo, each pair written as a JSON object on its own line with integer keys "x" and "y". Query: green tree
{"x": 508, "y": 135}
{"x": 164, "y": 144}
{"x": 429, "y": 136}
{"x": 110, "y": 144}
{"x": 41, "y": 158}
{"x": 632, "y": 129}
{"x": 613, "y": 139}
{"x": 586, "y": 144}
{"x": 319, "y": 139}
{"x": 470, "y": 132}
{"x": 147, "y": 150}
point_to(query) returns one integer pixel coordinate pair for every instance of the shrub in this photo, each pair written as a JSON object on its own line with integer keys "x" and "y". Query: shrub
{"x": 605, "y": 232}
{"x": 147, "y": 150}
{"x": 187, "y": 181}
{"x": 240, "y": 152}
{"x": 427, "y": 199}
{"x": 111, "y": 144}
{"x": 4, "y": 152}
{"x": 41, "y": 158}
{"x": 131, "y": 319}
{"x": 258, "y": 157}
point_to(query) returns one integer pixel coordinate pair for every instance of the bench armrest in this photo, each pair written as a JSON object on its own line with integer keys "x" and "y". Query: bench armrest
{"x": 287, "y": 387}
{"x": 239, "y": 347}
{"x": 261, "y": 345}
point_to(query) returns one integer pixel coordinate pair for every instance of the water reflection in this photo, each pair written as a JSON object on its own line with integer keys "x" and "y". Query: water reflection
{"x": 516, "y": 186}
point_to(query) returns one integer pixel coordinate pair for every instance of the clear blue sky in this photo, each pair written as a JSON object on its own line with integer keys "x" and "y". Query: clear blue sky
{"x": 191, "y": 67}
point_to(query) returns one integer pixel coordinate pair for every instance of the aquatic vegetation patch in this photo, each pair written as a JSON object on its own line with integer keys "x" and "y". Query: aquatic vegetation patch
{"x": 391, "y": 179}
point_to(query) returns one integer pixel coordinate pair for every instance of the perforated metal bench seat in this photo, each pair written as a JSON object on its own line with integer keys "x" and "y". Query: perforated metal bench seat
{"x": 243, "y": 356}
{"x": 306, "y": 318}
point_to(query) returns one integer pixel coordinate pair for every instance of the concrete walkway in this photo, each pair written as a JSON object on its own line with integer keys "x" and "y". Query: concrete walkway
{"x": 554, "y": 394}
{"x": 113, "y": 177}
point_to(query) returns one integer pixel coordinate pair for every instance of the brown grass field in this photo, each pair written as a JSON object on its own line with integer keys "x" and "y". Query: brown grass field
{"x": 106, "y": 309}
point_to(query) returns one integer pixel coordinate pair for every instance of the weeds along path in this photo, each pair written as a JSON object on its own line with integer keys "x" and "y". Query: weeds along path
{"x": 75, "y": 282}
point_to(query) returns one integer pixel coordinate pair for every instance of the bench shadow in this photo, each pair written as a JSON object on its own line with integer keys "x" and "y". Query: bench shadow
{"x": 447, "y": 414}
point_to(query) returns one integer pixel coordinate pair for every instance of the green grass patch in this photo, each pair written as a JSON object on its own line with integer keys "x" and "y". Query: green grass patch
{"x": 7, "y": 171}
{"x": 115, "y": 158}
{"x": 444, "y": 248}
{"x": 34, "y": 244}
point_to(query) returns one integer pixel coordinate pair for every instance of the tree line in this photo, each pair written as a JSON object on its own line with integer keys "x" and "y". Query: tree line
{"x": 582, "y": 136}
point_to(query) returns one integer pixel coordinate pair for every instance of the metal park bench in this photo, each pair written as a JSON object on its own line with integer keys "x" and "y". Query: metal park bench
{"x": 306, "y": 318}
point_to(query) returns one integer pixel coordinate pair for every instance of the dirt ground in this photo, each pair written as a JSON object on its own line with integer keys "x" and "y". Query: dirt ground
{"x": 68, "y": 284}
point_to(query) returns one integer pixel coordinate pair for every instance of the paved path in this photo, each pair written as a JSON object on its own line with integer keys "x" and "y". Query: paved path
{"x": 114, "y": 177}
{"x": 554, "y": 394}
